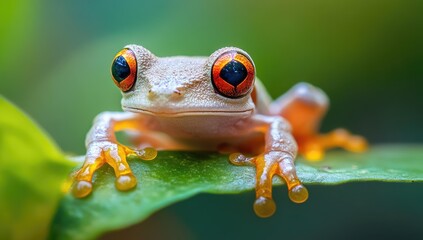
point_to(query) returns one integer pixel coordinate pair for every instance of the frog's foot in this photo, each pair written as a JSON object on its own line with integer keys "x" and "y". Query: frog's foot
{"x": 267, "y": 165}
{"x": 313, "y": 148}
{"x": 115, "y": 155}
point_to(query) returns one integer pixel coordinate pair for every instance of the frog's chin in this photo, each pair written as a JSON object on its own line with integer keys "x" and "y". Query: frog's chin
{"x": 175, "y": 113}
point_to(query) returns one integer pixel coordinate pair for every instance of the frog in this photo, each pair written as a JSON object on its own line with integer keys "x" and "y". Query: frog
{"x": 214, "y": 103}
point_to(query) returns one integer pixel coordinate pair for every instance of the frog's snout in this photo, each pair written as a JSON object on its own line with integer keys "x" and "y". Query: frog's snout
{"x": 165, "y": 95}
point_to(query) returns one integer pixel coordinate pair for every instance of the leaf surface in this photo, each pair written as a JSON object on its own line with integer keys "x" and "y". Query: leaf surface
{"x": 174, "y": 176}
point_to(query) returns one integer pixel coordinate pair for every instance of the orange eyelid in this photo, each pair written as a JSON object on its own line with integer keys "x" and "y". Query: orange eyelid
{"x": 130, "y": 58}
{"x": 224, "y": 87}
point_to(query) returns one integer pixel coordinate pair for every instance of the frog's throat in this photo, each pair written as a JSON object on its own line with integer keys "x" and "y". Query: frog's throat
{"x": 247, "y": 112}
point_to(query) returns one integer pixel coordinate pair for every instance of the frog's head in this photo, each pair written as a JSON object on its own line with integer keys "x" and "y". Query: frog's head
{"x": 219, "y": 84}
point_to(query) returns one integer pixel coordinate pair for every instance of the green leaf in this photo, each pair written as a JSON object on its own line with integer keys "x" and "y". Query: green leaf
{"x": 175, "y": 176}
{"x": 32, "y": 170}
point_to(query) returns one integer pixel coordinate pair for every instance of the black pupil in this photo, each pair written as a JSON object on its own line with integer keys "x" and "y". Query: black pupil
{"x": 120, "y": 69}
{"x": 234, "y": 73}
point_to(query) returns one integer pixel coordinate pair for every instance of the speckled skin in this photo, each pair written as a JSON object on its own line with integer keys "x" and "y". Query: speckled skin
{"x": 173, "y": 105}
{"x": 179, "y": 86}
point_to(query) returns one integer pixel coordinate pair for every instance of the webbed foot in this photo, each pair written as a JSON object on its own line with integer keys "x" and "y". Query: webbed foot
{"x": 115, "y": 155}
{"x": 313, "y": 147}
{"x": 267, "y": 165}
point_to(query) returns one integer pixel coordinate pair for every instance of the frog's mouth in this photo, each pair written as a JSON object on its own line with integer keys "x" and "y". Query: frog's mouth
{"x": 175, "y": 113}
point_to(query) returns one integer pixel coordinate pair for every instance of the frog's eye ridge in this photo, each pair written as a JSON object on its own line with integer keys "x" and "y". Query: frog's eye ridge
{"x": 233, "y": 74}
{"x": 124, "y": 69}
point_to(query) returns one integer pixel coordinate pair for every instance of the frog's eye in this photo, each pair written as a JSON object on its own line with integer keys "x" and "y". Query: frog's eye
{"x": 124, "y": 69}
{"x": 232, "y": 74}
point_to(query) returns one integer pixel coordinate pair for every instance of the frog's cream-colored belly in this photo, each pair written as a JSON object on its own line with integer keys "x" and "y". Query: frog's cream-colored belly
{"x": 201, "y": 126}
{"x": 198, "y": 132}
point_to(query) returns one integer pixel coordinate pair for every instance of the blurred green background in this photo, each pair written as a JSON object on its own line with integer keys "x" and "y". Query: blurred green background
{"x": 366, "y": 54}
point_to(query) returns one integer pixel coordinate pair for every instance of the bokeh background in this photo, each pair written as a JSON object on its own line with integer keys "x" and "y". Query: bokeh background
{"x": 366, "y": 54}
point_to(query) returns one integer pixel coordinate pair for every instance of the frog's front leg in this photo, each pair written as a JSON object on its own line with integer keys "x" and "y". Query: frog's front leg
{"x": 102, "y": 147}
{"x": 278, "y": 158}
{"x": 304, "y": 106}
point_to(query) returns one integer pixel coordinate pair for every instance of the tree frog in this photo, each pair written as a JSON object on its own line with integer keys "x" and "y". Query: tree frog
{"x": 210, "y": 103}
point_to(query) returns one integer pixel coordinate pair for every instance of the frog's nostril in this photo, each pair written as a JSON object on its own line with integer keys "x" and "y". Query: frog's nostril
{"x": 151, "y": 95}
{"x": 176, "y": 96}
{"x": 177, "y": 93}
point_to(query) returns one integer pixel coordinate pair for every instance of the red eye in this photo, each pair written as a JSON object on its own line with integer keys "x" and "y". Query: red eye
{"x": 233, "y": 74}
{"x": 124, "y": 69}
